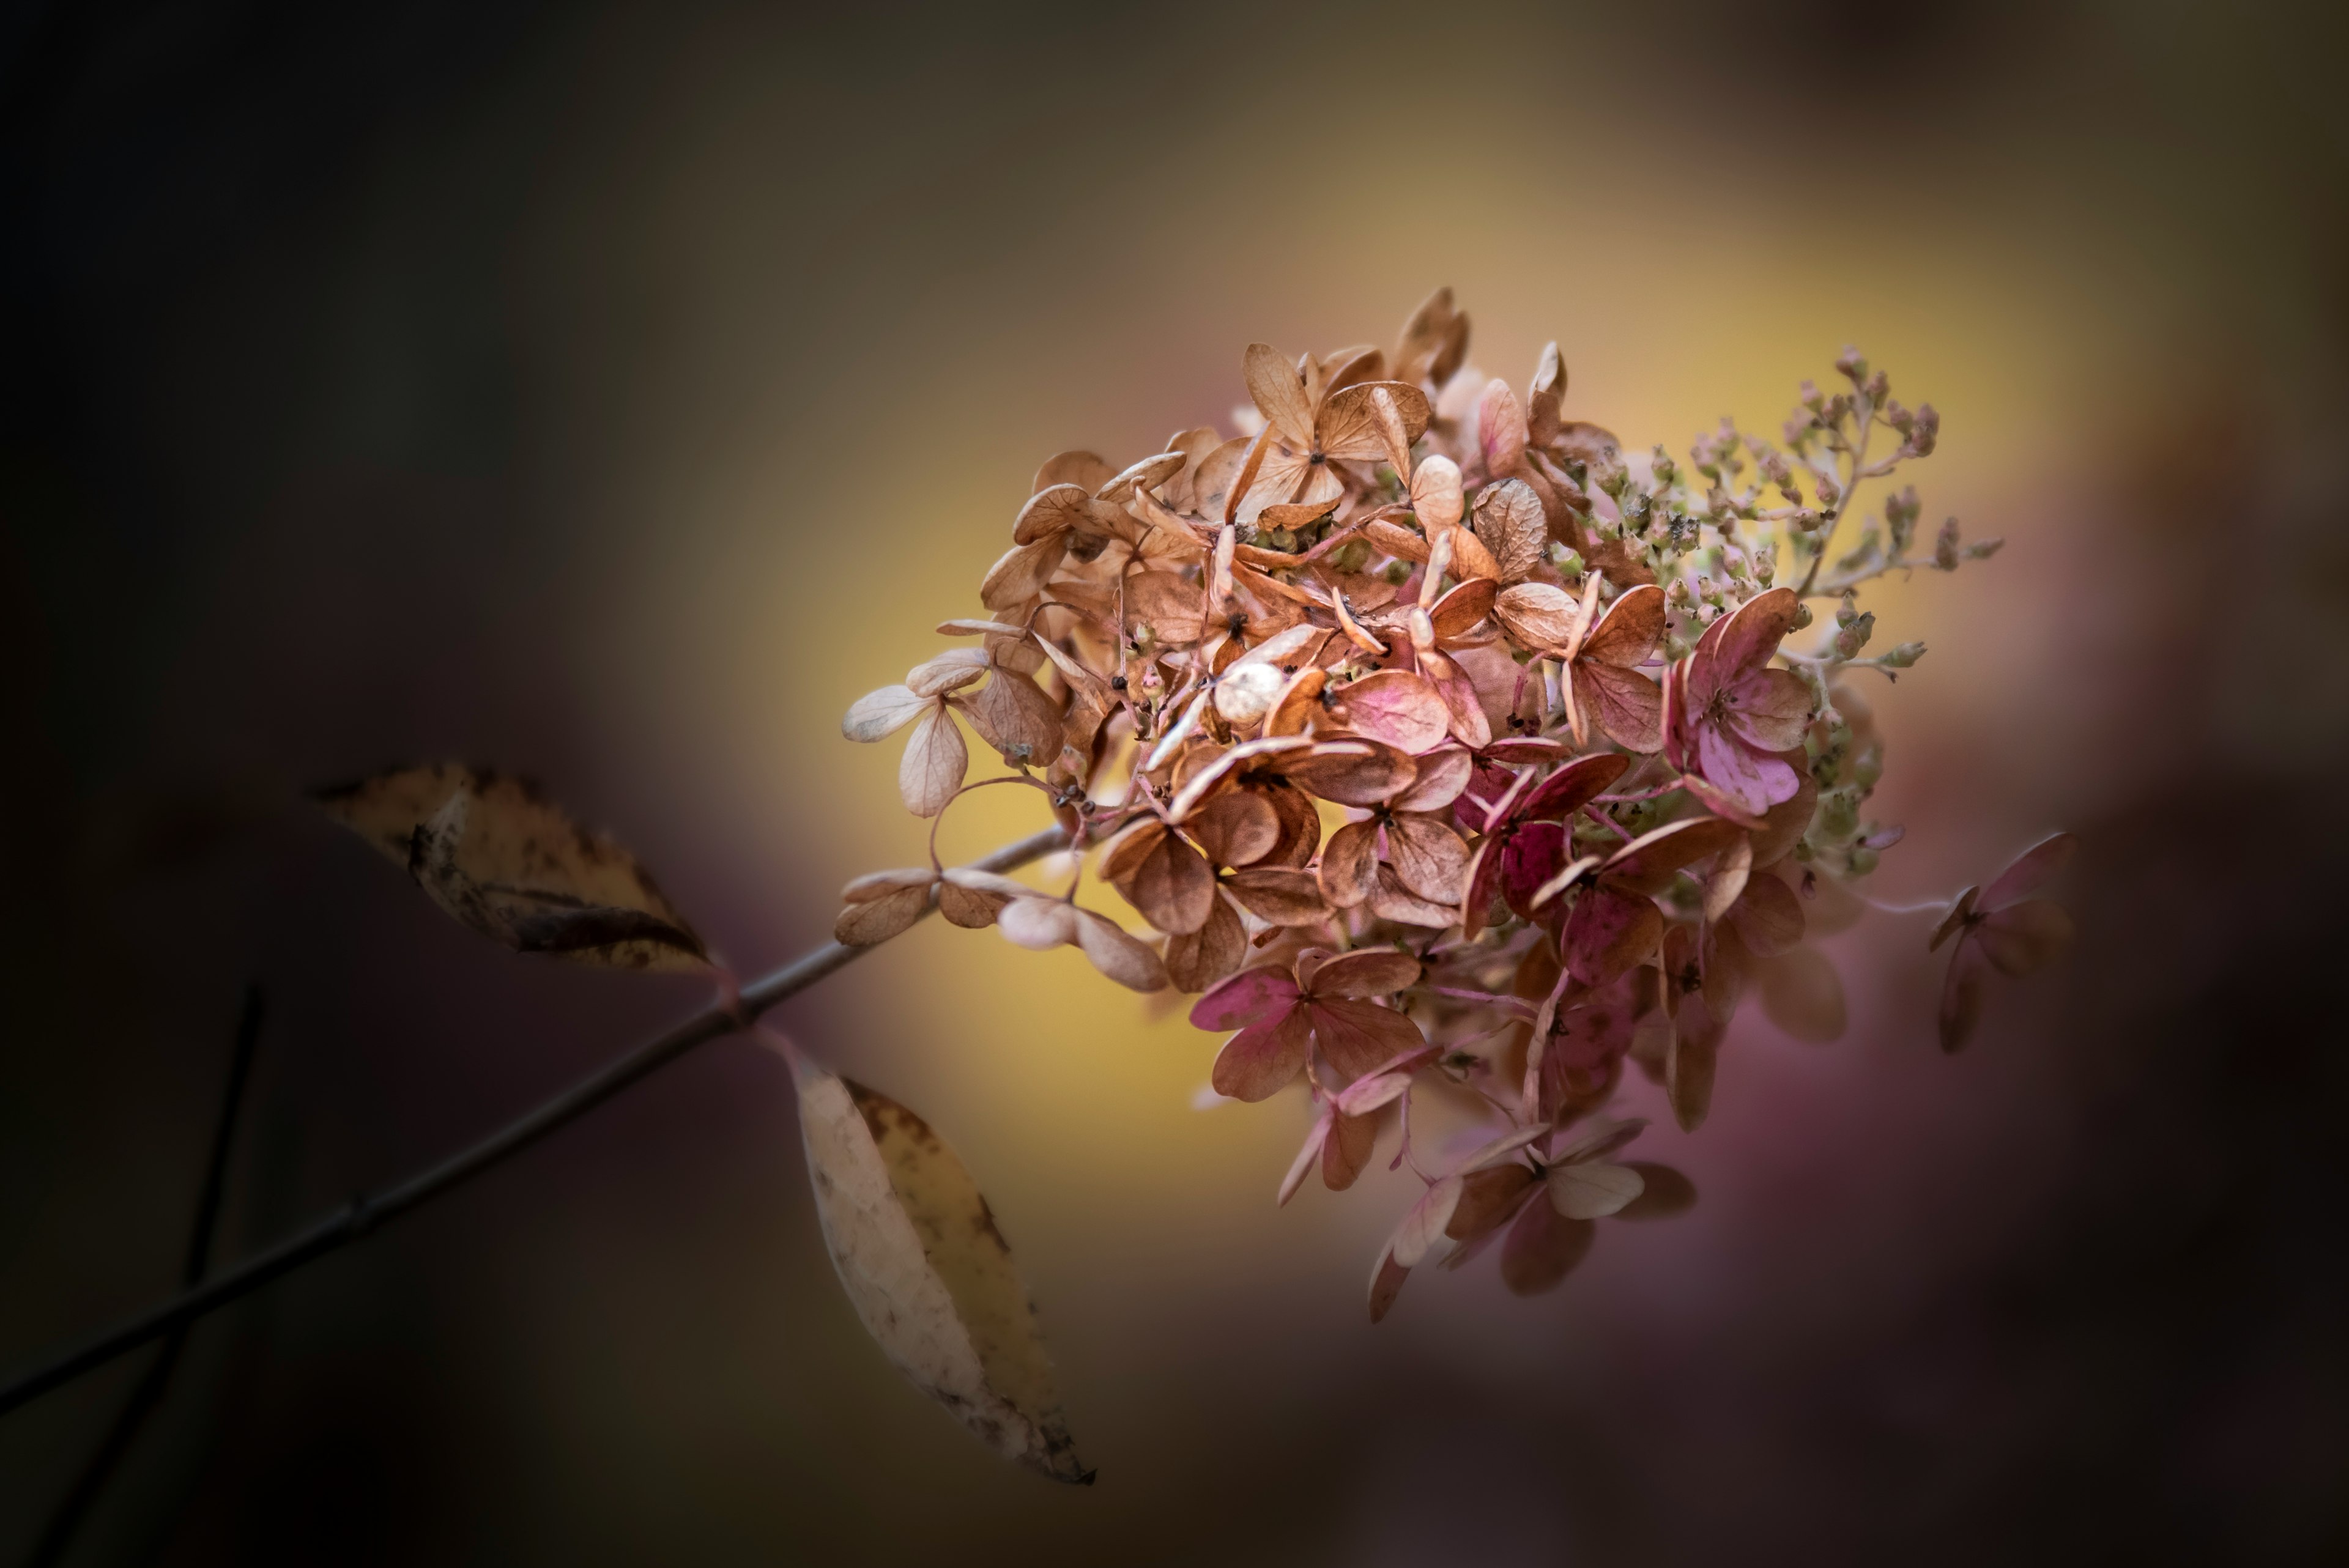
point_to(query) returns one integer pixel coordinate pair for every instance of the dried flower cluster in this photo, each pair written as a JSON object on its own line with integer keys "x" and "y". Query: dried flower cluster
{"x": 1457, "y": 755}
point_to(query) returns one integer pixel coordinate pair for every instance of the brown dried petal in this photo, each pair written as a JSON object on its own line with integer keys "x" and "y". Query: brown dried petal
{"x": 1365, "y": 972}
{"x": 1350, "y": 426}
{"x": 1346, "y": 1150}
{"x": 1350, "y": 772}
{"x": 1279, "y": 394}
{"x": 1237, "y": 828}
{"x": 1013, "y": 715}
{"x": 1436, "y": 497}
{"x": 1283, "y": 895}
{"x": 1393, "y": 539}
{"x": 1146, "y": 475}
{"x": 1021, "y": 573}
{"x": 1624, "y": 704}
{"x": 1442, "y": 775}
{"x": 1593, "y": 1189}
{"x": 1349, "y": 864}
{"x": 935, "y": 759}
{"x": 1545, "y": 396}
{"x": 1457, "y": 612}
{"x": 1117, "y": 954}
{"x": 1428, "y": 858}
{"x": 1510, "y": 523}
{"x": 1052, "y": 512}
{"x": 1390, "y": 900}
{"x": 1172, "y": 886}
{"x": 867, "y": 922}
{"x": 1501, "y": 430}
{"x": 1630, "y": 630}
{"x": 1198, "y": 959}
{"x": 1688, "y": 1078}
{"x": 1087, "y": 470}
{"x": 1539, "y": 616}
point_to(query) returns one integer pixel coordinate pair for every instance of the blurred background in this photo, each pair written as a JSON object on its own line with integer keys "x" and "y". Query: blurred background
{"x": 614, "y": 392}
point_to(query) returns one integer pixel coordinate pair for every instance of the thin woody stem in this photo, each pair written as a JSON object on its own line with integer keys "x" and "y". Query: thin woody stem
{"x": 363, "y": 1215}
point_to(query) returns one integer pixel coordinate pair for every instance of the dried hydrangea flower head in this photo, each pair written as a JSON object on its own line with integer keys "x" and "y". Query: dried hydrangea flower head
{"x": 1455, "y": 758}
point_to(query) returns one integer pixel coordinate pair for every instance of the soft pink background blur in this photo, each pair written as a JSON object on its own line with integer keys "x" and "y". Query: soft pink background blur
{"x": 615, "y": 393}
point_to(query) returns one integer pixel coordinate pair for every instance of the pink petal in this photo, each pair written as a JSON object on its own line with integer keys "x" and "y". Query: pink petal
{"x": 2030, "y": 871}
{"x": 1245, "y": 997}
{"x": 1572, "y": 787}
{"x": 1769, "y": 709}
{"x": 1542, "y": 1248}
{"x": 1608, "y": 933}
{"x": 1754, "y": 780}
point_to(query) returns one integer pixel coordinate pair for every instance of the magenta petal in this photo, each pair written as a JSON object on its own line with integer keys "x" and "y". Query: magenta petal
{"x": 1755, "y": 781}
{"x": 1535, "y": 854}
{"x": 1244, "y": 998}
{"x": 1573, "y": 787}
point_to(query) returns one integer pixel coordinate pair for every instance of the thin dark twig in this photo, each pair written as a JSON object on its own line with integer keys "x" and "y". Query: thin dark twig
{"x": 108, "y": 1457}
{"x": 363, "y": 1215}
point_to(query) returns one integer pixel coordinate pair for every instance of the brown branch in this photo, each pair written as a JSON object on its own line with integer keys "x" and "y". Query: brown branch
{"x": 363, "y": 1215}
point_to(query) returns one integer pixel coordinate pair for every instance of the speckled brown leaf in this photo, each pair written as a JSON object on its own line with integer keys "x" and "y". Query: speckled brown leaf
{"x": 499, "y": 856}
{"x": 928, "y": 1272}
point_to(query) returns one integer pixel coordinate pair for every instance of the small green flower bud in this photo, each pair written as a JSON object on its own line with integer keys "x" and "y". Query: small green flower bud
{"x": 1854, "y": 367}
{"x": 1396, "y": 571}
{"x": 1867, "y": 767}
{"x": 1803, "y": 617}
{"x": 1854, "y": 637}
{"x": 1863, "y": 860}
{"x": 1848, "y": 610}
{"x": 1906, "y": 654}
{"x": 1983, "y": 549}
{"x": 1568, "y": 561}
{"x": 1945, "y": 546}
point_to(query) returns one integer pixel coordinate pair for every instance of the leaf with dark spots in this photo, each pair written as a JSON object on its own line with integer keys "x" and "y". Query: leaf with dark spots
{"x": 500, "y": 857}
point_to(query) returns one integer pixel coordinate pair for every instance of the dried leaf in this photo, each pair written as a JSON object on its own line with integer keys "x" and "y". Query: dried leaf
{"x": 926, "y": 1269}
{"x": 500, "y": 857}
